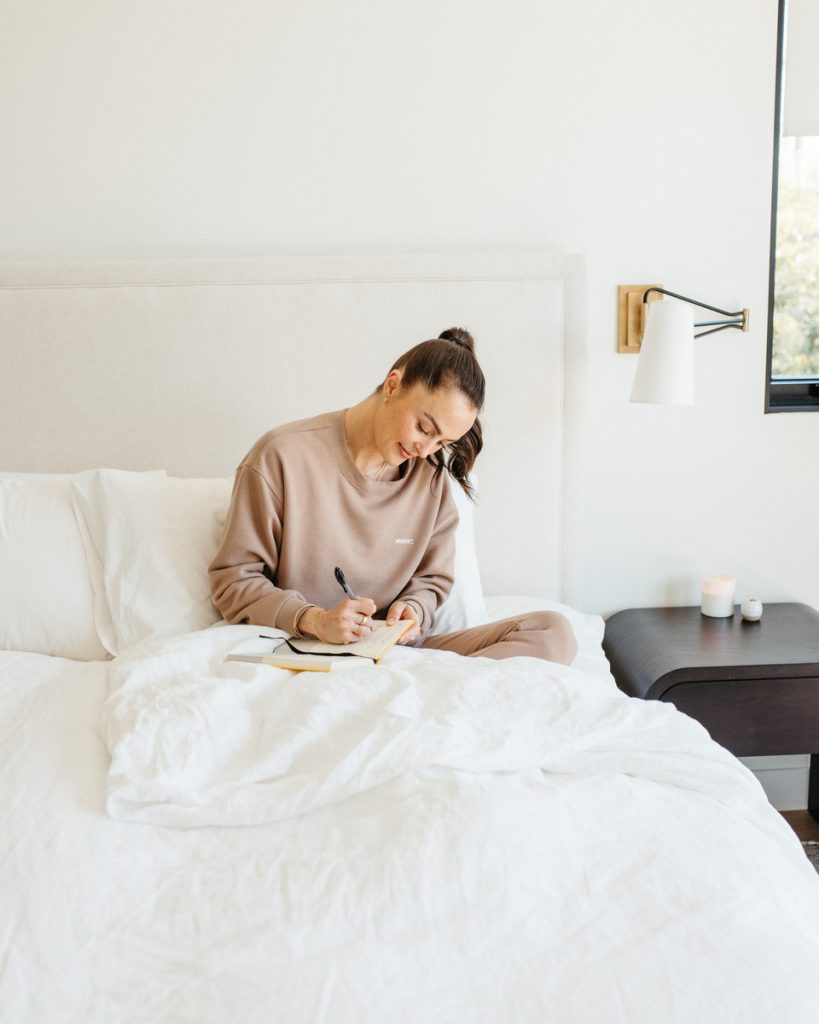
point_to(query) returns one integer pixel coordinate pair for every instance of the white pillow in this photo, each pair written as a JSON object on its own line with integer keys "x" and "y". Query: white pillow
{"x": 465, "y": 607}
{"x": 149, "y": 540}
{"x": 46, "y": 597}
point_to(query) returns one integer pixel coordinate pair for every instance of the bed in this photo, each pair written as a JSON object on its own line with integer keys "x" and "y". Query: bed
{"x": 436, "y": 839}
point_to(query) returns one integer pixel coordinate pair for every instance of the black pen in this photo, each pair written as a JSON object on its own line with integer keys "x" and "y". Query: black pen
{"x": 344, "y": 585}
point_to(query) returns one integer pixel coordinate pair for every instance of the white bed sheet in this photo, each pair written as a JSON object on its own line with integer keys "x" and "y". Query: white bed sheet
{"x": 440, "y": 895}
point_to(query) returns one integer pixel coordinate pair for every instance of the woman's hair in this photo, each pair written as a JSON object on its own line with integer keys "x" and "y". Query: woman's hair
{"x": 448, "y": 361}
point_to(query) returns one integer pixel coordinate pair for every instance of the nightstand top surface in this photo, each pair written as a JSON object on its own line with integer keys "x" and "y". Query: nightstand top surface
{"x": 651, "y": 649}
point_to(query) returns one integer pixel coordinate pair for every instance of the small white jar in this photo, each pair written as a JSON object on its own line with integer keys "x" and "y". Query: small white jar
{"x": 751, "y": 609}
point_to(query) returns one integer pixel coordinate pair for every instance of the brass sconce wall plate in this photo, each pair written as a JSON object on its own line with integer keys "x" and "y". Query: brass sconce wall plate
{"x": 631, "y": 313}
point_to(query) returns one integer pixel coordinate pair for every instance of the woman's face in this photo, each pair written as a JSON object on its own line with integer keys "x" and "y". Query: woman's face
{"x": 416, "y": 422}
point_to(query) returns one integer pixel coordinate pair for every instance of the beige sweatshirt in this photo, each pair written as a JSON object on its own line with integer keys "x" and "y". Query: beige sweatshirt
{"x": 300, "y": 507}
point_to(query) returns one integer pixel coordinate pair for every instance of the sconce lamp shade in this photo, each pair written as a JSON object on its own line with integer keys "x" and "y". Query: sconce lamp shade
{"x": 665, "y": 368}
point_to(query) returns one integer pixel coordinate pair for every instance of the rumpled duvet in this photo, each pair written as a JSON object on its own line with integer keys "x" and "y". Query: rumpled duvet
{"x": 436, "y": 841}
{"x": 195, "y": 740}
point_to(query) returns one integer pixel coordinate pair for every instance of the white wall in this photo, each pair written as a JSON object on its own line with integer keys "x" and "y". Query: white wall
{"x": 638, "y": 133}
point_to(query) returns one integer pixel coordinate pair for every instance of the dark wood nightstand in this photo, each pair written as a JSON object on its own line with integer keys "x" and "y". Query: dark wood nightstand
{"x": 753, "y": 685}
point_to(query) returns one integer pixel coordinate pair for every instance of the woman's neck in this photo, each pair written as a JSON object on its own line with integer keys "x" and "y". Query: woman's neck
{"x": 359, "y": 431}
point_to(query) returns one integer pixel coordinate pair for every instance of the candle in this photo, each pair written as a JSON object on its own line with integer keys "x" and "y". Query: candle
{"x": 718, "y": 595}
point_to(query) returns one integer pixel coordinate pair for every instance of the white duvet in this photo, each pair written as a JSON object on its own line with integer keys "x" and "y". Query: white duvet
{"x": 435, "y": 840}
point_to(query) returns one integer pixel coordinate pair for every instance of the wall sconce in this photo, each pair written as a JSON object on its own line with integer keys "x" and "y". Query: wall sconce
{"x": 663, "y": 334}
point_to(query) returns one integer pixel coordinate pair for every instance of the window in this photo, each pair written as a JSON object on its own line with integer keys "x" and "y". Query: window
{"x": 793, "y": 315}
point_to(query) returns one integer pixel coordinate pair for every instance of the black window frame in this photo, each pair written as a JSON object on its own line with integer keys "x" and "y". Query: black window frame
{"x": 796, "y": 394}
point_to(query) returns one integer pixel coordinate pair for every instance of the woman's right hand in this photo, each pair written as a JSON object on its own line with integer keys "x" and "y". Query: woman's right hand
{"x": 346, "y": 622}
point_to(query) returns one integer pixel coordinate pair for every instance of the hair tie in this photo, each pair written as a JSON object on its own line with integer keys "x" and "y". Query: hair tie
{"x": 453, "y": 334}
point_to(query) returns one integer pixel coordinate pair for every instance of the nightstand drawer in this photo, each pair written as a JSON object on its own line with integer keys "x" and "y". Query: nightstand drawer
{"x": 754, "y": 716}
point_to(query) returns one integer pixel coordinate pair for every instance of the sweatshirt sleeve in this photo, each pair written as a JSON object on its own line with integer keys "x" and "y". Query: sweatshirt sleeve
{"x": 248, "y": 555}
{"x": 433, "y": 581}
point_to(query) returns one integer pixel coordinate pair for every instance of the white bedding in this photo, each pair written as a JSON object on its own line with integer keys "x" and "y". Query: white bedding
{"x": 447, "y": 840}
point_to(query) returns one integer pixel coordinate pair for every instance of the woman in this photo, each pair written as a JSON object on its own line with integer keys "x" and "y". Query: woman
{"x": 363, "y": 488}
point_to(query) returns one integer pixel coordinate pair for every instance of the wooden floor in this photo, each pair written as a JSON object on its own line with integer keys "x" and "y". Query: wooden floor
{"x": 803, "y": 824}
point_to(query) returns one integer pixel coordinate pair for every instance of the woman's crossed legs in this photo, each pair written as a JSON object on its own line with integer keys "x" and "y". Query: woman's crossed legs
{"x": 546, "y": 635}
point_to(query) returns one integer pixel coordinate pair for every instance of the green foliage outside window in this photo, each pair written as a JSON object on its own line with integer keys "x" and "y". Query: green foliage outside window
{"x": 796, "y": 298}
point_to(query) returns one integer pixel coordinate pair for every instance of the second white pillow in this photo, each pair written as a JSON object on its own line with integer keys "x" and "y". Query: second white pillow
{"x": 465, "y": 607}
{"x": 149, "y": 540}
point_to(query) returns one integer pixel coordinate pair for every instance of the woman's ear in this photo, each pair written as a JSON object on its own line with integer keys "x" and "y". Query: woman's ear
{"x": 392, "y": 385}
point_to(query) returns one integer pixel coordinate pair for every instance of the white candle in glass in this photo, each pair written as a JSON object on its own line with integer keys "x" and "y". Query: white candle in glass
{"x": 718, "y": 592}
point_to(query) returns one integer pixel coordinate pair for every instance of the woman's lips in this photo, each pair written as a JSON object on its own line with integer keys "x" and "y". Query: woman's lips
{"x": 404, "y": 451}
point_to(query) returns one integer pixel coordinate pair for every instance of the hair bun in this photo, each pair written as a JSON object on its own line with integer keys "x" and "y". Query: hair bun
{"x": 460, "y": 336}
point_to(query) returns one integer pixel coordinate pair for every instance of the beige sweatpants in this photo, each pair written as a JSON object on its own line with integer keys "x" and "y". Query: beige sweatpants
{"x": 546, "y": 635}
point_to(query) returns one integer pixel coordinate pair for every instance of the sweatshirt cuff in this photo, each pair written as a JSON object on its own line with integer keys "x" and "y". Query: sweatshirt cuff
{"x": 290, "y": 611}
{"x": 420, "y": 614}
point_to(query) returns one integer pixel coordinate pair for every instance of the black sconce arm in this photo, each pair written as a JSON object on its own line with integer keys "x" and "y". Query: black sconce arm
{"x": 742, "y": 314}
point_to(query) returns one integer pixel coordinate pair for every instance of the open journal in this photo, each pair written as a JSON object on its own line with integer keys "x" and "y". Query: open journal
{"x": 306, "y": 655}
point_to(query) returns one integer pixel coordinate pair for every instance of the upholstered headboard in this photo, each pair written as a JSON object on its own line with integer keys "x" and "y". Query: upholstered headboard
{"x": 181, "y": 365}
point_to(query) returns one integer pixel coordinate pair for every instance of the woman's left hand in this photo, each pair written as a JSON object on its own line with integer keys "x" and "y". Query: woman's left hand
{"x": 402, "y": 610}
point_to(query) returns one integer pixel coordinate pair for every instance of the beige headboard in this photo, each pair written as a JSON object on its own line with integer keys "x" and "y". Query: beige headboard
{"x": 181, "y": 365}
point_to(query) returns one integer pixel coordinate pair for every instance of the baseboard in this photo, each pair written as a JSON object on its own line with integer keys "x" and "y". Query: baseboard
{"x": 784, "y": 779}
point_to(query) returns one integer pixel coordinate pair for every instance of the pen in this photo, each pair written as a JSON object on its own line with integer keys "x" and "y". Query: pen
{"x": 344, "y": 585}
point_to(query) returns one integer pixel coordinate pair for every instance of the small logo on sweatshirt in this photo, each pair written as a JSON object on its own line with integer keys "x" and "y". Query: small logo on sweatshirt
{"x": 404, "y": 540}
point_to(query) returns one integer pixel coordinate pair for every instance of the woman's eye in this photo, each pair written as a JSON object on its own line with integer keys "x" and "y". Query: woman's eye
{"x": 424, "y": 432}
